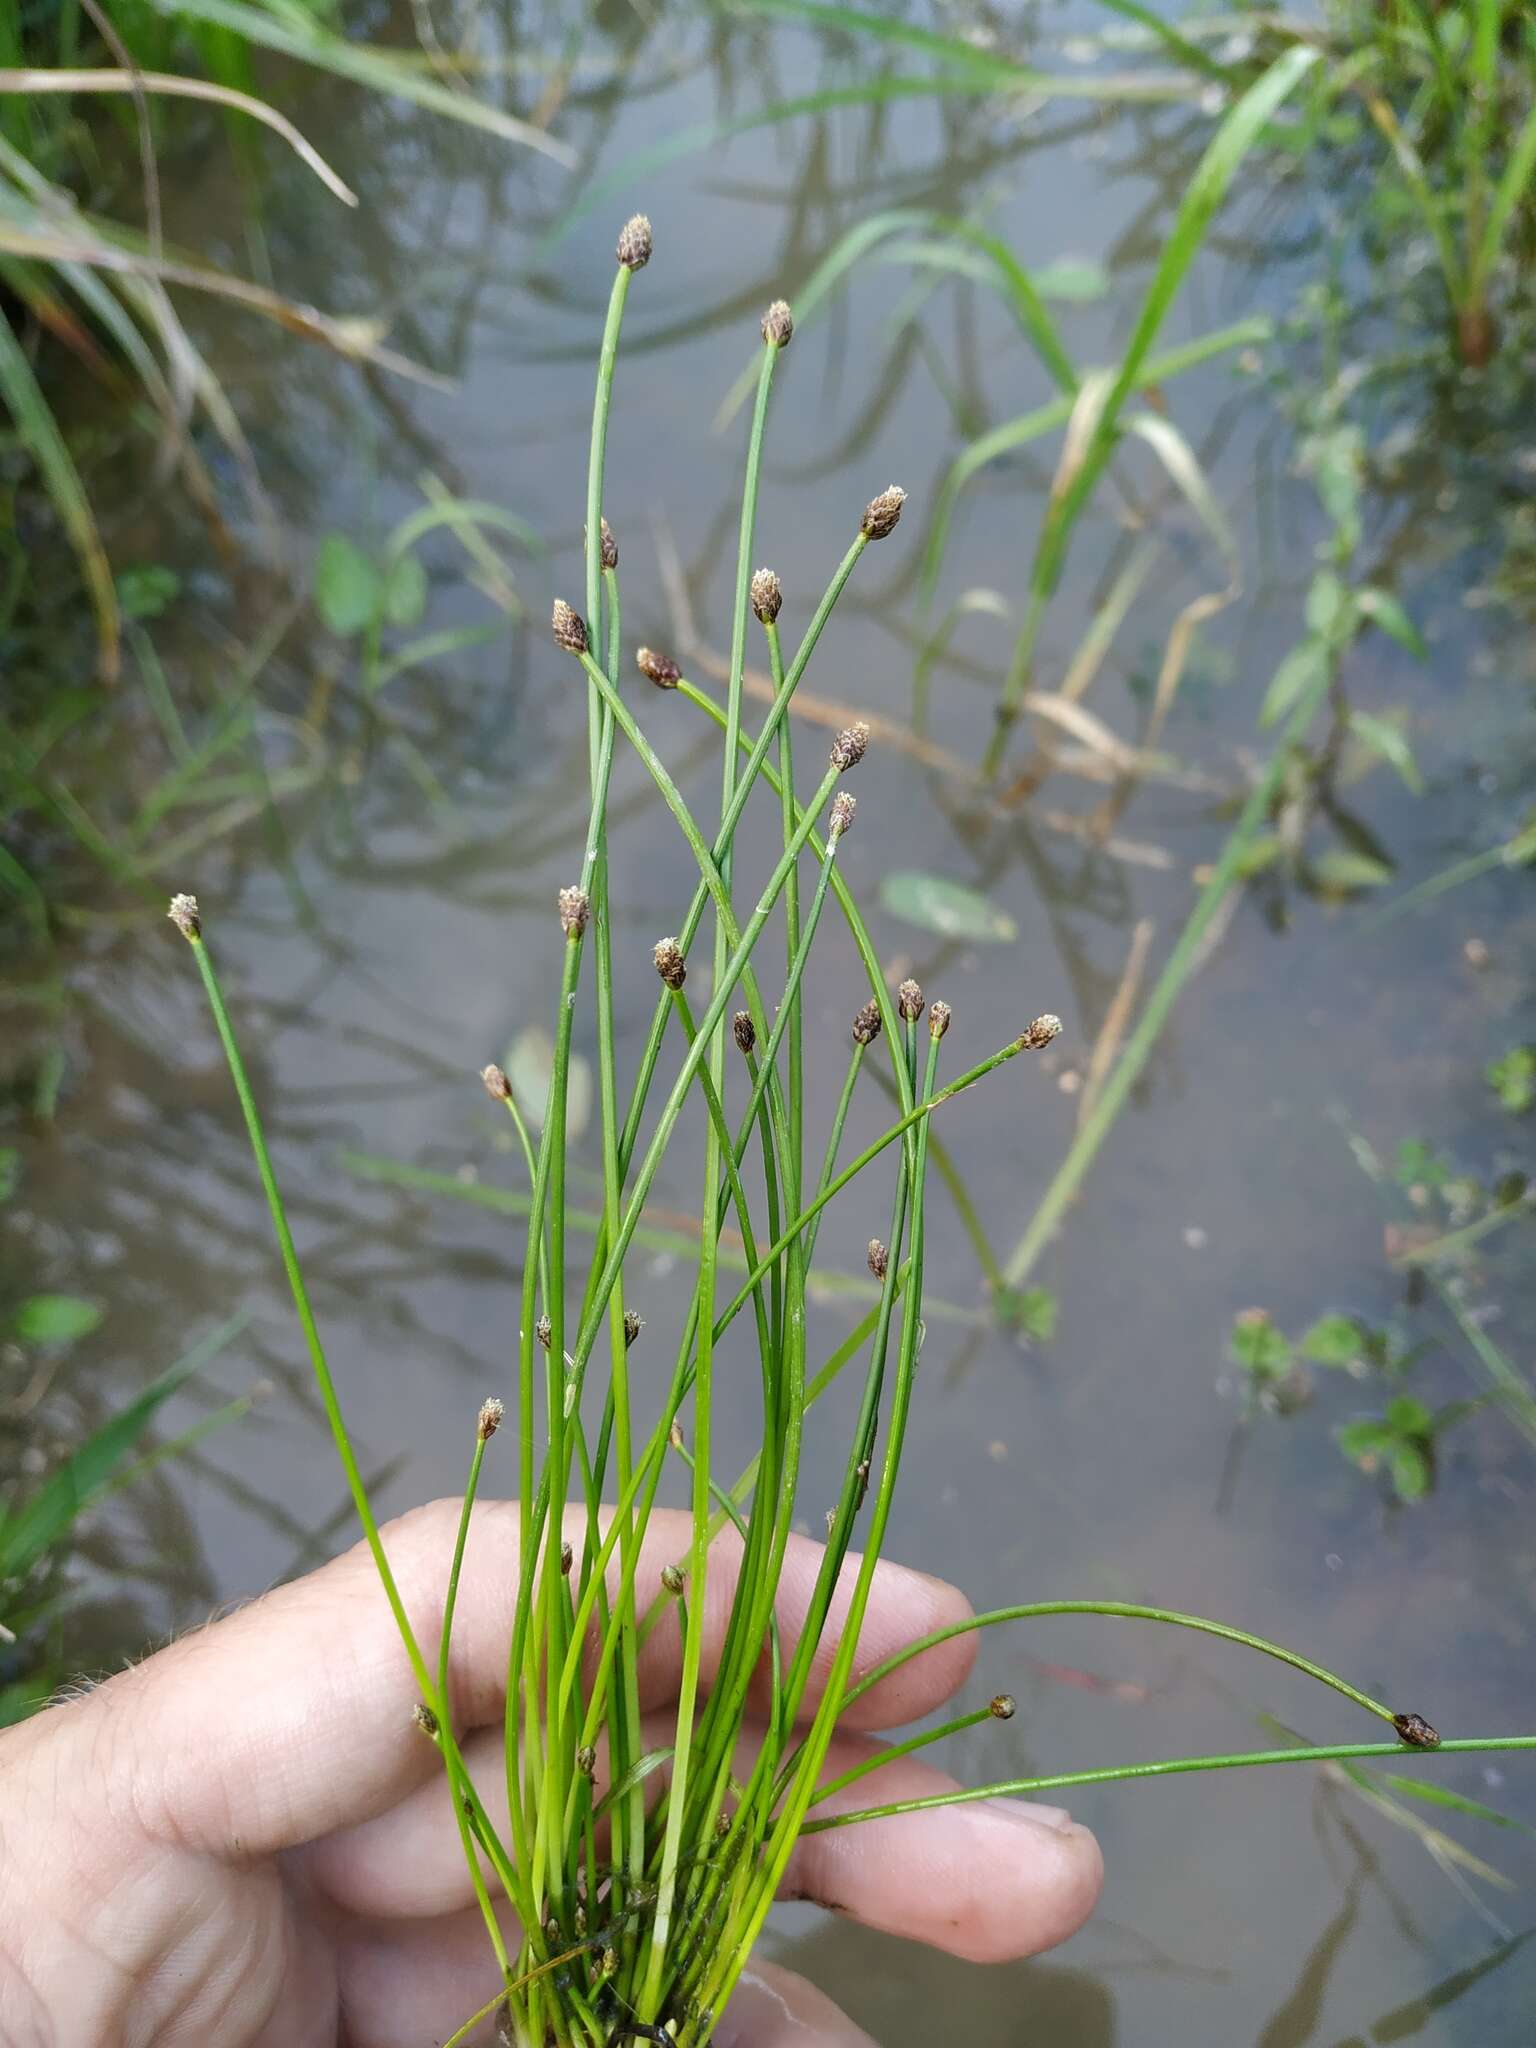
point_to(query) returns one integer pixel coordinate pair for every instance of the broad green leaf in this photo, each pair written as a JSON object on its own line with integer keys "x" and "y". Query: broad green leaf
{"x": 1341, "y": 872}
{"x": 1386, "y": 739}
{"x": 1383, "y": 609}
{"x": 1409, "y": 1417}
{"x": 55, "y": 1319}
{"x": 1514, "y": 1078}
{"x": 405, "y": 591}
{"x": 47, "y": 1516}
{"x": 1072, "y": 280}
{"x": 1258, "y": 1347}
{"x": 1409, "y": 1468}
{"x": 346, "y": 586}
{"x": 948, "y": 908}
{"x": 1332, "y": 1340}
{"x": 1327, "y": 600}
{"x": 1297, "y": 672}
{"x": 1359, "y": 1440}
{"x": 529, "y": 1064}
{"x": 1336, "y": 464}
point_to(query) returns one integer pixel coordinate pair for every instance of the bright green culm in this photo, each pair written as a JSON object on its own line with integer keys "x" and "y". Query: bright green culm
{"x": 642, "y": 1876}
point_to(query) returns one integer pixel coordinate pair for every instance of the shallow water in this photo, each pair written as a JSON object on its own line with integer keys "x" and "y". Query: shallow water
{"x": 397, "y": 944}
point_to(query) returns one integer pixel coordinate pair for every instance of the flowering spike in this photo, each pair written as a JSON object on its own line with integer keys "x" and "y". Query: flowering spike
{"x": 866, "y": 1024}
{"x": 1040, "y": 1033}
{"x": 496, "y": 1083}
{"x": 849, "y": 747}
{"x": 184, "y": 914}
{"x": 660, "y": 669}
{"x": 843, "y": 808}
{"x": 745, "y": 1031}
{"x": 938, "y": 1020}
{"x": 767, "y": 595}
{"x": 882, "y": 513}
{"x": 778, "y": 325}
{"x": 879, "y": 1258}
{"x": 492, "y": 1414}
{"x": 634, "y": 250}
{"x": 670, "y": 965}
{"x": 575, "y": 909}
{"x": 909, "y": 1000}
{"x": 568, "y": 627}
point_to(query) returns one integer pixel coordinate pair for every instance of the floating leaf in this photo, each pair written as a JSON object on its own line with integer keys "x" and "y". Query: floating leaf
{"x": 1258, "y": 1347}
{"x": 1333, "y": 1340}
{"x": 529, "y": 1063}
{"x": 1073, "y": 280}
{"x": 948, "y": 908}
{"x": 1032, "y": 1311}
{"x": 346, "y": 586}
{"x": 1342, "y": 872}
{"x": 55, "y": 1319}
{"x": 405, "y": 591}
{"x": 1410, "y": 1469}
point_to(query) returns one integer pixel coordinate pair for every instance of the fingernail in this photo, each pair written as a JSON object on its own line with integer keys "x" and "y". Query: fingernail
{"x": 1024, "y": 1813}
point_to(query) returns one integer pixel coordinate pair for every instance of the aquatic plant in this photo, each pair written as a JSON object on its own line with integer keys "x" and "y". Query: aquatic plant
{"x": 641, "y": 1875}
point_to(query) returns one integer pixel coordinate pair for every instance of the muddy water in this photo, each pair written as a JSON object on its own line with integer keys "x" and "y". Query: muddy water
{"x": 381, "y": 946}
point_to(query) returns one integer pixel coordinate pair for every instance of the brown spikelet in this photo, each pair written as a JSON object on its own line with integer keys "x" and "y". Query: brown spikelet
{"x": 1040, "y": 1033}
{"x": 745, "y": 1032}
{"x": 866, "y": 1024}
{"x": 425, "y": 1720}
{"x": 633, "y": 1325}
{"x": 1415, "y": 1731}
{"x": 938, "y": 1019}
{"x": 567, "y": 1559}
{"x": 882, "y": 513}
{"x": 670, "y": 965}
{"x": 492, "y": 1413}
{"x": 879, "y": 1258}
{"x": 575, "y": 909}
{"x": 568, "y": 627}
{"x": 1003, "y": 1707}
{"x": 543, "y": 1329}
{"x": 843, "y": 808}
{"x": 608, "y": 547}
{"x": 849, "y": 747}
{"x": 909, "y": 1000}
{"x": 767, "y": 595}
{"x": 778, "y": 324}
{"x": 183, "y": 913}
{"x": 672, "y": 1578}
{"x": 660, "y": 669}
{"x": 634, "y": 250}
{"x": 496, "y": 1082}
{"x": 586, "y": 1764}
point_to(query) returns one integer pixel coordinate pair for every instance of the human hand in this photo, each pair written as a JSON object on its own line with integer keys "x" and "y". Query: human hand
{"x": 246, "y": 1841}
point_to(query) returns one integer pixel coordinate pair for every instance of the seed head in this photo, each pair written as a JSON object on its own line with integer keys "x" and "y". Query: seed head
{"x": 843, "y": 808}
{"x": 633, "y": 1325}
{"x": 849, "y": 747}
{"x": 586, "y": 1761}
{"x": 670, "y": 965}
{"x": 767, "y": 595}
{"x": 722, "y": 1825}
{"x": 634, "y": 250}
{"x": 672, "y": 1578}
{"x": 492, "y": 1414}
{"x": 1415, "y": 1731}
{"x": 543, "y": 1329}
{"x": 1041, "y": 1032}
{"x": 745, "y": 1031}
{"x": 608, "y": 547}
{"x": 675, "y": 1436}
{"x": 938, "y": 1020}
{"x": 1004, "y": 1707}
{"x": 882, "y": 513}
{"x": 861, "y": 1473}
{"x": 567, "y": 1559}
{"x": 660, "y": 669}
{"x": 778, "y": 324}
{"x": 184, "y": 914}
{"x": 496, "y": 1082}
{"x": 425, "y": 1720}
{"x": 568, "y": 627}
{"x": 866, "y": 1024}
{"x": 575, "y": 909}
{"x": 909, "y": 1000}
{"x": 879, "y": 1258}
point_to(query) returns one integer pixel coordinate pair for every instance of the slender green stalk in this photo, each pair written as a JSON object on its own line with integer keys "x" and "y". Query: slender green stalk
{"x": 1166, "y": 1767}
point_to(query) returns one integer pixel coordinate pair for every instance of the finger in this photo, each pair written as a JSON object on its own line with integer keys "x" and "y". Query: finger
{"x": 773, "y": 2008}
{"x": 401, "y": 1986}
{"x": 990, "y": 1880}
{"x": 293, "y": 1717}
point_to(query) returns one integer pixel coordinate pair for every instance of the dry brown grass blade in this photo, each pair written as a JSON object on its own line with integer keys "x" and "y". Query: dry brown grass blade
{"x": 1116, "y": 1019}
{"x": 169, "y": 84}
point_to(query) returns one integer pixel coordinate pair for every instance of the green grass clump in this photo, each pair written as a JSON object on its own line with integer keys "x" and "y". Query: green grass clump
{"x": 642, "y": 1871}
